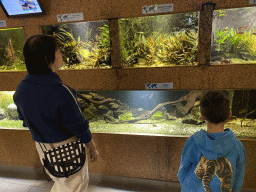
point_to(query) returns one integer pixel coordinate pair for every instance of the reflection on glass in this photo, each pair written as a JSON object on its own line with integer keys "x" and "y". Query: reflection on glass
{"x": 163, "y": 40}
{"x": 11, "y": 49}
{"x": 84, "y": 45}
{"x": 234, "y": 36}
{"x": 149, "y": 112}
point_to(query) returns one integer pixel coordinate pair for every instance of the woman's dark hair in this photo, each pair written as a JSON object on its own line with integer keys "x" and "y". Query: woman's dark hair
{"x": 215, "y": 107}
{"x": 39, "y": 52}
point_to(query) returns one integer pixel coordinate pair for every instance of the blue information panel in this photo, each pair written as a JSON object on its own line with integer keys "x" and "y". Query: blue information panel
{"x": 21, "y": 7}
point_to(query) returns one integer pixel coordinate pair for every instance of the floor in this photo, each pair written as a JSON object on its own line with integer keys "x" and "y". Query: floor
{"x": 112, "y": 185}
{"x": 20, "y": 183}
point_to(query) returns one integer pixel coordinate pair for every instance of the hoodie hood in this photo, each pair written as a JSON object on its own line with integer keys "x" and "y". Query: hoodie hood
{"x": 214, "y": 145}
{"x": 51, "y": 78}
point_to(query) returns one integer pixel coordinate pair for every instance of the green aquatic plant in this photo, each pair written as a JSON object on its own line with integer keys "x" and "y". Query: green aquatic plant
{"x": 88, "y": 113}
{"x": 17, "y": 65}
{"x": 137, "y": 48}
{"x": 236, "y": 44}
{"x": 88, "y": 34}
{"x": 6, "y": 123}
{"x": 221, "y": 36}
{"x": 104, "y": 39}
{"x": 130, "y": 31}
{"x": 166, "y": 49}
{"x": 13, "y": 62}
{"x": 93, "y": 53}
{"x": 11, "y": 44}
{"x": 68, "y": 46}
{"x": 89, "y": 59}
{"x": 5, "y": 101}
{"x": 241, "y": 45}
{"x": 10, "y": 52}
{"x": 252, "y": 45}
{"x": 96, "y": 55}
{"x": 133, "y": 51}
{"x": 220, "y": 13}
{"x": 157, "y": 115}
{"x": 180, "y": 48}
{"x": 125, "y": 116}
{"x": 189, "y": 47}
{"x": 153, "y": 46}
{"x": 90, "y": 54}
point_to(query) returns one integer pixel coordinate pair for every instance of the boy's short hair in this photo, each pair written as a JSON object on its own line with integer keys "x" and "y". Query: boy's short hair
{"x": 39, "y": 52}
{"x": 215, "y": 107}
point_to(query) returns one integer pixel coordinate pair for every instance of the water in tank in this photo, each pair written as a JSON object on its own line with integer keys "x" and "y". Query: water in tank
{"x": 158, "y": 41}
{"x": 234, "y": 36}
{"x": 85, "y": 45}
{"x": 11, "y": 49}
{"x": 149, "y": 112}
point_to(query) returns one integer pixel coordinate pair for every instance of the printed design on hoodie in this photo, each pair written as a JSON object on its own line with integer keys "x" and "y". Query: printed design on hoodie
{"x": 220, "y": 167}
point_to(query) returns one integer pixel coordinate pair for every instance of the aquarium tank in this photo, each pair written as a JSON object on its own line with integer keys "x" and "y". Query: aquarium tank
{"x": 149, "y": 112}
{"x": 158, "y": 41}
{"x": 234, "y": 36}
{"x": 85, "y": 45}
{"x": 11, "y": 49}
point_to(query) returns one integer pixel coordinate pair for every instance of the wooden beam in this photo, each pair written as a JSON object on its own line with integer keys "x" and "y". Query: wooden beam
{"x": 205, "y": 33}
{"x": 114, "y": 43}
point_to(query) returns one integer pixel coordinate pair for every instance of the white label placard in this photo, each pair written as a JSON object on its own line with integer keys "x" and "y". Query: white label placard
{"x": 3, "y": 23}
{"x": 157, "y": 8}
{"x": 70, "y": 17}
{"x": 159, "y": 86}
{"x": 252, "y": 1}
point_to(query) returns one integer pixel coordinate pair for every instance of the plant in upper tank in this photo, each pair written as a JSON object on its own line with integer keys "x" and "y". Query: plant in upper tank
{"x": 11, "y": 44}
{"x": 10, "y": 52}
{"x": 68, "y": 46}
{"x": 220, "y": 13}
{"x": 96, "y": 55}
{"x": 189, "y": 47}
{"x": 14, "y": 62}
{"x": 245, "y": 44}
{"x": 132, "y": 33}
{"x": 221, "y": 36}
{"x": 104, "y": 41}
{"x": 252, "y": 44}
{"x": 153, "y": 46}
{"x": 179, "y": 48}
{"x": 138, "y": 49}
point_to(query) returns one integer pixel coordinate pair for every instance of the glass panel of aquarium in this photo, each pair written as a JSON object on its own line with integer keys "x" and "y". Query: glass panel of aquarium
{"x": 158, "y": 41}
{"x": 149, "y": 112}
{"x": 11, "y": 49}
{"x": 85, "y": 45}
{"x": 234, "y": 36}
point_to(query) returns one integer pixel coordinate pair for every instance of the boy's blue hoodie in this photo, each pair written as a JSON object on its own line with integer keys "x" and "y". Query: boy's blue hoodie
{"x": 212, "y": 160}
{"x": 51, "y": 109}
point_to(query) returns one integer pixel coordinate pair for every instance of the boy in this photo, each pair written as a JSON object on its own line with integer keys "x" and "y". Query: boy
{"x": 213, "y": 160}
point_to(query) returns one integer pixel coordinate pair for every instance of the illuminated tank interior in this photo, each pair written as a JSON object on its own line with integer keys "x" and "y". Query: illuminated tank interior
{"x": 151, "y": 41}
{"x": 150, "y": 112}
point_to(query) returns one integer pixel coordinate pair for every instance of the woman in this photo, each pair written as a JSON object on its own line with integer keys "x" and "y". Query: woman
{"x": 51, "y": 109}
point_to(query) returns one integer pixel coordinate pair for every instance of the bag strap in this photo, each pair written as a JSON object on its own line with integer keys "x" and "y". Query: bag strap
{"x": 30, "y": 125}
{"x": 73, "y": 97}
